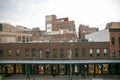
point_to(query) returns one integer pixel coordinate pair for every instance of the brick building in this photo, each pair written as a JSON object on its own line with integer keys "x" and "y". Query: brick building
{"x": 54, "y": 24}
{"x": 113, "y": 25}
{"x": 115, "y": 43}
{"x": 83, "y": 30}
{"x": 91, "y": 58}
{"x": 6, "y": 27}
{"x": 112, "y": 36}
{"x": 15, "y": 37}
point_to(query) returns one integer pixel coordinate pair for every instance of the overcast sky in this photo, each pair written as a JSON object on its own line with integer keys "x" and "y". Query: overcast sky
{"x": 31, "y": 13}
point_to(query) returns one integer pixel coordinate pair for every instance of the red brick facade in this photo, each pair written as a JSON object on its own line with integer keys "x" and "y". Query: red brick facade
{"x": 81, "y": 50}
{"x": 86, "y": 30}
{"x": 115, "y": 43}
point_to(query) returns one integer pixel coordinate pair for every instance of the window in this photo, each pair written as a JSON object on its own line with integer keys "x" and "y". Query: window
{"x": 119, "y": 40}
{"x": 98, "y": 52}
{"x": 62, "y": 53}
{"x": 27, "y": 39}
{"x": 91, "y": 68}
{"x": 83, "y": 52}
{"x": 119, "y": 52}
{"x": 17, "y": 52}
{"x": 98, "y": 69}
{"x": 19, "y": 38}
{"x": 23, "y": 39}
{"x": 47, "y": 69}
{"x": 41, "y": 53}
{"x": 61, "y": 69}
{"x": 47, "y": 53}
{"x": 33, "y": 52}
{"x": 9, "y": 52}
{"x": 105, "y": 69}
{"x": 113, "y": 40}
{"x": 54, "y": 53}
{"x": 91, "y": 52}
{"x": 113, "y": 68}
{"x": 76, "y": 52}
{"x": 1, "y": 52}
{"x": 30, "y": 39}
{"x": 69, "y": 53}
{"x": 27, "y": 53}
{"x": 105, "y": 51}
{"x": 113, "y": 53}
{"x": 41, "y": 69}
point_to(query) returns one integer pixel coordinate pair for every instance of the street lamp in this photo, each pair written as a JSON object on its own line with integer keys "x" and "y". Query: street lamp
{"x": 70, "y": 62}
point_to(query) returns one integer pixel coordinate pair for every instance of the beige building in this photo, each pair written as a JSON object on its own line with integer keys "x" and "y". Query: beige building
{"x": 113, "y": 25}
{"x": 15, "y": 37}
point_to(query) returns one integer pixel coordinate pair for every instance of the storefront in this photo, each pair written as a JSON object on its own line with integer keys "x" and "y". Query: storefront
{"x": 61, "y": 68}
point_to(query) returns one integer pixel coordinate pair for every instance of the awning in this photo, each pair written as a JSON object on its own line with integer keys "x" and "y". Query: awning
{"x": 56, "y": 61}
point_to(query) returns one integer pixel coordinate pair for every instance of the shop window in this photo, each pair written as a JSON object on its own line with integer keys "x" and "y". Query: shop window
{"x": 105, "y": 69}
{"x": 41, "y": 53}
{"x": 61, "y": 69}
{"x": 91, "y": 52}
{"x": 113, "y": 68}
{"x": 83, "y": 52}
{"x": 1, "y": 69}
{"x": 62, "y": 53}
{"x": 47, "y": 53}
{"x": 34, "y": 69}
{"x": 98, "y": 69}
{"x": 76, "y": 52}
{"x": 113, "y": 41}
{"x": 27, "y": 53}
{"x": 91, "y": 68}
{"x": 118, "y": 68}
{"x": 18, "y": 68}
{"x": 9, "y": 52}
{"x": 8, "y": 68}
{"x": 76, "y": 68}
{"x": 55, "y": 69}
{"x": 17, "y": 52}
{"x": 33, "y": 52}
{"x": 54, "y": 53}
{"x": 98, "y": 52}
{"x": 1, "y": 52}
{"x": 105, "y": 51}
{"x": 47, "y": 69}
{"x": 41, "y": 69}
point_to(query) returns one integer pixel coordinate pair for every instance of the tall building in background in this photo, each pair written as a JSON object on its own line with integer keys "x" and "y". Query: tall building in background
{"x": 83, "y": 30}
{"x": 54, "y": 24}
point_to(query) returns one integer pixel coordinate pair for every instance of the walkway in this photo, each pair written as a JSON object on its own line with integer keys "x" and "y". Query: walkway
{"x": 62, "y": 77}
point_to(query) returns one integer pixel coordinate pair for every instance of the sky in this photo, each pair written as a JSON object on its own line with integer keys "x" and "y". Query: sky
{"x": 31, "y": 13}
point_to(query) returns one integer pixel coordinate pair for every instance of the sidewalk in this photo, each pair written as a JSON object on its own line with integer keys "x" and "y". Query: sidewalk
{"x": 62, "y": 77}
